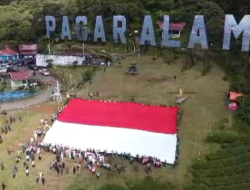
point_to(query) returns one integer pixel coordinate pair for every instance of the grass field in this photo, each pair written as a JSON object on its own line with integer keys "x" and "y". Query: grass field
{"x": 155, "y": 84}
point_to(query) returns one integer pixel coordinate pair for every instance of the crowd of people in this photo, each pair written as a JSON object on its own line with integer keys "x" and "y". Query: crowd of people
{"x": 92, "y": 160}
{"x": 27, "y": 153}
{"x": 7, "y": 128}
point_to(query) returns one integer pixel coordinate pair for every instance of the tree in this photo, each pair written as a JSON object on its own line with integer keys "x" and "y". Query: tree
{"x": 214, "y": 19}
{"x": 15, "y": 25}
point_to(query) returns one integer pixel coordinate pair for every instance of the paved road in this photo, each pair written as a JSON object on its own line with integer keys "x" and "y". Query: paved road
{"x": 40, "y": 98}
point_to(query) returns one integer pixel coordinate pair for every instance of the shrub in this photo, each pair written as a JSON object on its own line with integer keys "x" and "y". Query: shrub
{"x": 222, "y": 137}
{"x": 66, "y": 101}
{"x": 196, "y": 187}
{"x": 88, "y": 75}
{"x": 242, "y": 115}
{"x": 76, "y": 188}
{"x": 222, "y": 154}
{"x": 112, "y": 187}
{"x": 240, "y": 159}
{"x": 229, "y": 171}
{"x": 149, "y": 183}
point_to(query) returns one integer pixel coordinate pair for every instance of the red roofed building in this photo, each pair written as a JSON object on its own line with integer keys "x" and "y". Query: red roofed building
{"x": 28, "y": 50}
{"x": 174, "y": 28}
{"x": 8, "y": 54}
{"x": 21, "y": 75}
{"x": 19, "y": 79}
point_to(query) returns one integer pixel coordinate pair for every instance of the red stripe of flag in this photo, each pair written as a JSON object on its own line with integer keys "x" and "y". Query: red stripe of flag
{"x": 124, "y": 115}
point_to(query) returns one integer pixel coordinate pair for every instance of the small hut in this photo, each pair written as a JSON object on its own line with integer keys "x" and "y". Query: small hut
{"x": 28, "y": 51}
{"x": 174, "y": 29}
{"x": 20, "y": 79}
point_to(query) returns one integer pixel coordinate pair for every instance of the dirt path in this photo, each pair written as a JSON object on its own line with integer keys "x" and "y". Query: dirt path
{"x": 38, "y": 99}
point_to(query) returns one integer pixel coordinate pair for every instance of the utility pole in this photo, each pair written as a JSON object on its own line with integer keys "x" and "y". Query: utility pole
{"x": 49, "y": 46}
{"x": 83, "y": 47}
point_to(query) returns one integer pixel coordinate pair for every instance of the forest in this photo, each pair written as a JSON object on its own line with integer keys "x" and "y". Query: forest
{"x": 24, "y": 21}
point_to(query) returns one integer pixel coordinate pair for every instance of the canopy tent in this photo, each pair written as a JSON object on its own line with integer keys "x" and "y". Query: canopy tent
{"x": 123, "y": 127}
{"x": 234, "y": 95}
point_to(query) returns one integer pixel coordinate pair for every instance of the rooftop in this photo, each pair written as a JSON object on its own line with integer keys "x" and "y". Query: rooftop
{"x": 26, "y": 49}
{"x": 21, "y": 75}
{"x": 8, "y": 51}
{"x": 173, "y": 26}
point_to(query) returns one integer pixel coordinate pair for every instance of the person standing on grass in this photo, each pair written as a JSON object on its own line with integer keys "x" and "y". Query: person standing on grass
{"x": 37, "y": 178}
{"x": 27, "y": 172}
{"x": 3, "y": 186}
{"x": 98, "y": 175}
{"x": 33, "y": 164}
{"x": 43, "y": 180}
{"x": 40, "y": 175}
{"x": 14, "y": 174}
{"x": 40, "y": 156}
{"x": 2, "y": 166}
{"x": 19, "y": 154}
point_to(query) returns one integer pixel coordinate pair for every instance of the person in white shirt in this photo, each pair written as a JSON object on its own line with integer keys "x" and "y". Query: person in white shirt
{"x": 38, "y": 151}
{"x": 33, "y": 164}
{"x": 27, "y": 172}
{"x": 98, "y": 175}
{"x": 18, "y": 154}
{"x": 93, "y": 169}
{"x": 40, "y": 175}
{"x": 31, "y": 140}
{"x": 35, "y": 135}
{"x": 61, "y": 155}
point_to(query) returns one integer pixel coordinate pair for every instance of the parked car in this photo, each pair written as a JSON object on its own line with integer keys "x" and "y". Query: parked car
{"x": 30, "y": 62}
{"x": 3, "y": 69}
{"x": 7, "y": 65}
{"x": 40, "y": 68}
{"x": 44, "y": 72}
{"x": 32, "y": 83}
{"x": 19, "y": 62}
{"x": 11, "y": 70}
{"x": 33, "y": 67}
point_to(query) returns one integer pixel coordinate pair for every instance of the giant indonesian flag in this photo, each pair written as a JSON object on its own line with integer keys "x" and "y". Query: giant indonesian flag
{"x": 115, "y": 126}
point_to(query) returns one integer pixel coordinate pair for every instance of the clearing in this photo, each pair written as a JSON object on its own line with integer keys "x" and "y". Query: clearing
{"x": 155, "y": 84}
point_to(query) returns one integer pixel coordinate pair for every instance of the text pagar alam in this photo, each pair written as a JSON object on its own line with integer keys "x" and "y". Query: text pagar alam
{"x": 147, "y": 36}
